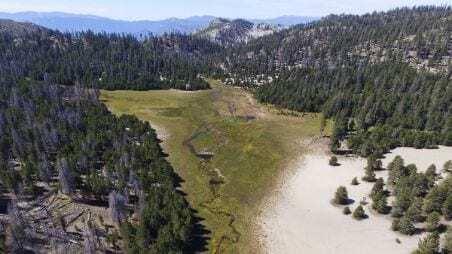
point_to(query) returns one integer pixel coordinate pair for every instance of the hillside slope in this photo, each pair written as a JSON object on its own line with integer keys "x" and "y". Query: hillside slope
{"x": 385, "y": 76}
{"x": 229, "y": 32}
{"x": 104, "y": 60}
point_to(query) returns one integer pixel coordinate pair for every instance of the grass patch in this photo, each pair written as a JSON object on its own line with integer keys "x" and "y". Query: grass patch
{"x": 249, "y": 144}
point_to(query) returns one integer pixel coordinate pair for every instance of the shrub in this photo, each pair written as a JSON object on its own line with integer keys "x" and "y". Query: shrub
{"x": 432, "y": 222}
{"x": 346, "y": 210}
{"x": 377, "y": 189}
{"x": 333, "y": 161}
{"x": 395, "y": 226}
{"x": 448, "y": 166}
{"x": 428, "y": 245}
{"x": 397, "y": 211}
{"x": 406, "y": 226}
{"x": 341, "y": 196}
{"x": 381, "y": 204}
{"x": 359, "y": 213}
{"x": 415, "y": 210}
{"x": 369, "y": 175}
{"x": 448, "y": 241}
{"x": 355, "y": 181}
{"x": 447, "y": 207}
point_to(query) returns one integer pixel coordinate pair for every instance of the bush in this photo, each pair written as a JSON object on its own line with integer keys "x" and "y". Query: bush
{"x": 381, "y": 205}
{"x": 355, "y": 181}
{"x": 432, "y": 222}
{"x": 397, "y": 211}
{"x": 406, "y": 226}
{"x": 448, "y": 166}
{"x": 378, "y": 189}
{"x": 428, "y": 245}
{"x": 341, "y": 196}
{"x": 415, "y": 210}
{"x": 369, "y": 175}
{"x": 448, "y": 241}
{"x": 447, "y": 207}
{"x": 333, "y": 161}
{"x": 359, "y": 213}
{"x": 346, "y": 210}
{"x": 395, "y": 226}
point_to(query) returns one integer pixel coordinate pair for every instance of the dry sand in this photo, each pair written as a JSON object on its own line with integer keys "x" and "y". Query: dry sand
{"x": 301, "y": 219}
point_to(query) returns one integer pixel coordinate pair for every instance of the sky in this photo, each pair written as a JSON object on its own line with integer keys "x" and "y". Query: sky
{"x": 161, "y": 9}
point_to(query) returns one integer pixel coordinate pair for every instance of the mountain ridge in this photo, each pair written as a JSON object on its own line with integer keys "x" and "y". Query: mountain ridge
{"x": 69, "y": 22}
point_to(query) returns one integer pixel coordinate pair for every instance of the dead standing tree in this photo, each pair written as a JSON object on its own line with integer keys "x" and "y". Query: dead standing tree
{"x": 65, "y": 177}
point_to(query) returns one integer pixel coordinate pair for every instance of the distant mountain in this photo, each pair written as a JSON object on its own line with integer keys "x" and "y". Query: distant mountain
{"x": 228, "y": 32}
{"x": 74, "y": 22}
{"x": 286, "y": 21}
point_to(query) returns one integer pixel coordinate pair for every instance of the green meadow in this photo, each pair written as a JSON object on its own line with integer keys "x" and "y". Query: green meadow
{"x": 228, "y": 149}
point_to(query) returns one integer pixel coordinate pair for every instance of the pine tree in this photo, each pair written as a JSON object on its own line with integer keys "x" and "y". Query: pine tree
{"x": 369, "y": 175}
{"x": 432, "y": 222}
{"x": 448, "y": 241}
{"x": 447, "y": 166}
{"x": 359, "y": 213}
{"x": 406, "y": 226}
{"x": 428, "y": 245}
{"x": 341, "y": 196}
{"x": 377, "y": 189}
{"x": 333, "y": 161}
{"x": 414, "y": 212}
{"x": 447, "y": 207}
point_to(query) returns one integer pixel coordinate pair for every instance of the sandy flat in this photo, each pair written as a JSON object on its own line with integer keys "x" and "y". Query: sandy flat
{"x": 301, "y": 219}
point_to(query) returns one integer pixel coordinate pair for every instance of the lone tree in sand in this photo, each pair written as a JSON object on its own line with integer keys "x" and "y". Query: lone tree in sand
{"x": 355, "y": 181}
{"x": 334, "y": 161}
{"x": 428, "y": 245}
{"x": 359, "y": 213}
{"x": 341, "y": 196}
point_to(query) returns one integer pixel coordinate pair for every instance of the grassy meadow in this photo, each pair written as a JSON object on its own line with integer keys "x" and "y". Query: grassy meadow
{"x": 247, "y": 144}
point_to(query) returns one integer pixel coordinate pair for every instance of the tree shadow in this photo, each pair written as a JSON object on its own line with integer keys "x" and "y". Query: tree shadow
{"x": 200, "y": 236}
{"x": 92, "y": 202}
{"x": 4, "y": 205}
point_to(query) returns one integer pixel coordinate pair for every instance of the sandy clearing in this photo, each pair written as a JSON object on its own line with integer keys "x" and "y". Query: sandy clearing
{"x": 301, "y": 219}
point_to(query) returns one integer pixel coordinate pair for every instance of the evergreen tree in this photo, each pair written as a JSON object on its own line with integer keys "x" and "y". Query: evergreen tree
{"x": 414, "y": 212}
{"x": 447, "y": 207}
{"x": 406, "y": 226}
{"x": 341, "y": 196}
{"x": 428, "y": 245}
{"x": 448, "y": 241}
{"x": 333, "y": 161}
{"x": 359, "y": 213}
{"x": 432, "y": 222}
